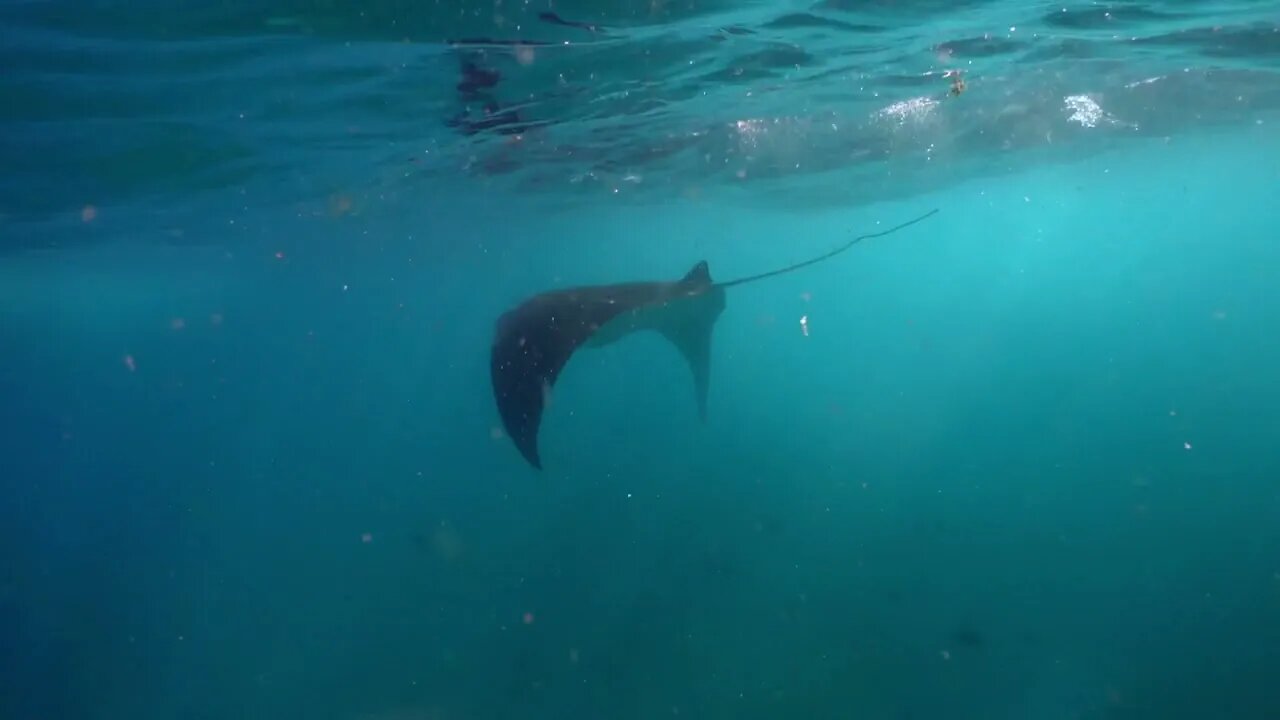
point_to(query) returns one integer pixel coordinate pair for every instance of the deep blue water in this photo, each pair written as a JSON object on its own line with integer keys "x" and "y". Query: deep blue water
{"x": 1017, "y": 461}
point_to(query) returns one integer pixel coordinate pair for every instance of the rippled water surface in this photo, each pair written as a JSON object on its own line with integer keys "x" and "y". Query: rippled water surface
{"x": 115, "y": 102}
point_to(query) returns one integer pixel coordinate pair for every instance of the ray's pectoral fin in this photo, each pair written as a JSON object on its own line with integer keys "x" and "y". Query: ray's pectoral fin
{"x": 693, "y": 340}
{"x": 523, "y": 366}
{"x": 692, "y": 334}
{"x": 532, "y": 345}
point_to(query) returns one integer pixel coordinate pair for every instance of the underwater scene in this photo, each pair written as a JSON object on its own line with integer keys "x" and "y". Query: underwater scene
{"x": 640, "y": 359}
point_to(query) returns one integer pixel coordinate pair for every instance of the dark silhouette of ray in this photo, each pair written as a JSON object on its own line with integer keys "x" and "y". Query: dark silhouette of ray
{"x": 535, "y": 340}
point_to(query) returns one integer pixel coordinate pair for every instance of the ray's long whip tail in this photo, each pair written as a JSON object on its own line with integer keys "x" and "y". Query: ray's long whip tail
{"x": 830, "y": 254}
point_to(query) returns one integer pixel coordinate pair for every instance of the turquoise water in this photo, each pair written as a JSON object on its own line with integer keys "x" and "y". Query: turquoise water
{"x": 1017, "y": 461}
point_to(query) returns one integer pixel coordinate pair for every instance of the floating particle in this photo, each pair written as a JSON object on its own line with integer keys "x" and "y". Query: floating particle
{"x": 527, "y": 618}
{"x": 525, "y": 55}
{"x": 339, "y": 204}
{"x": 495, "y": 433}
{"x": 804, "y": 325}
{"x": 366, "y": 538}
{"x": 446, "y": 542}
{"x": 279, "y": 254}
{"x": 129, "y": 363}
{"x": 1186, "y": 445}
{"x": 177, "y": 323}
{"x": 946, "y": 654}
{"x": 215, "y": 319}
{"x": 88, "y": 213}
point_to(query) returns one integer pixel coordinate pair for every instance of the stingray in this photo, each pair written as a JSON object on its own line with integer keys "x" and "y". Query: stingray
{"x": 535, "y": 340}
